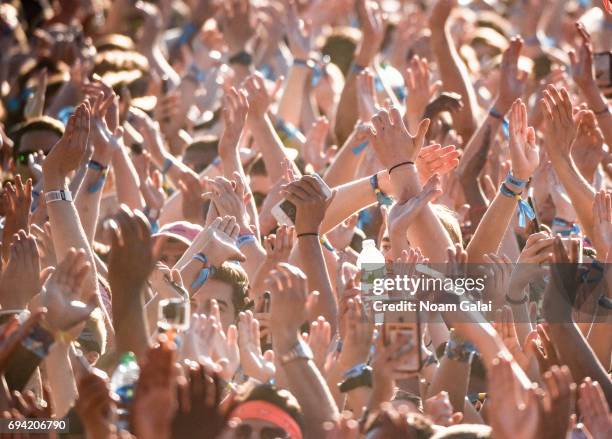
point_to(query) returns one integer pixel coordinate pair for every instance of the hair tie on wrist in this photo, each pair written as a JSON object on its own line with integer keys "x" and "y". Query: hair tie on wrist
{"x": 520, "y": 301}
{"x": 300, "y": 235}
{"x": 408, "y": 162}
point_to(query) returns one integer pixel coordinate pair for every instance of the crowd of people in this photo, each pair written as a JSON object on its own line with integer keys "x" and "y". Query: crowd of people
{"x": 191, "y": 190}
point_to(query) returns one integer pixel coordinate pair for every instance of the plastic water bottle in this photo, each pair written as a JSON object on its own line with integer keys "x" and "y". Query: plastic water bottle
{"x": 122, "y": 383}
{"x": 371, "y": 263}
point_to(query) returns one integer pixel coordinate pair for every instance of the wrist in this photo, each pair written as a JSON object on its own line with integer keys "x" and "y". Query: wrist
{"x": 53, "y": 182}
{"x": 284, "y": 340}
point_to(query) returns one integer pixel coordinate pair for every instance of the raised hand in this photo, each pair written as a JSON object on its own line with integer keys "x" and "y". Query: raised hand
{"x": 357, "y": 338}
{"x": 16, "y": 201}
{"x": 594, "y": 409}
{"x": 402, "y": 215}
{"x": 12, "y": 334}
{"x": 289, "y": 290}
{"x": 602, "y": 223}
{"x": 199, "y": 395}
{"x": 226, "y": 352}
{"x": 254, "y": 363}
{"x": 582, "y": 61}
{"x": 230, "y": 199}
{"x": 64, "y": 294}
{"x": 278, "y": 246}
{"x": 257, "y": 96}
{"x": 392, "y": 141}
{"x": 515, "y": 410}
{"x": 237, "y": 24}
{"x": 155, "y": 397}
{"x": 512, "y": 80}
{"x": 311, "y": 202}
{"x": 67, "y": 153}
{"x": 420, "y": 91}
{"x": 524, "y": 151}
{"x": 319, "y": 338}
{"x": 96, "y": 405}
{"x": 440, "y": 13}
{"x": 440, "y": 410}
{"x": 367, "y": 102}
{"x": 506, "y": 328}
{"x": 151, "y": 181}
{"x": 192, "y": 203}
{"x": 560, "y": 127}
{"x": 218, "y": 241}
{"x": 373, "y": 31}
{"x": 298, "y": 33}
{"x": 433, "y": 159}
{"x": 314, "y": 150}
{"x": 235, "y": 110}
{"x": 21, "y": 278}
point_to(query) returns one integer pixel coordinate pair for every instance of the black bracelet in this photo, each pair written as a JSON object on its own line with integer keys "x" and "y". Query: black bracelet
{"x": 408, "y": 162}
{"x": 602, "y": 112}
{"x": 299, "y": 235}
{"x": 521, "y": 301}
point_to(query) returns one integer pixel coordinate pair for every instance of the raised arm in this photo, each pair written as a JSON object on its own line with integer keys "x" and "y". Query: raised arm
{"x": 525, "y": 158}
{"x": 64, "y": 219}
{"x": 453, "y": 72}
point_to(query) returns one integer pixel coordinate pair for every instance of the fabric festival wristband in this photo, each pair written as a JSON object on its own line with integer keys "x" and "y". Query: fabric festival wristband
{"x": 515, "y": 181}
{"x": 505, "y": 124}
{"x": 99, "y": 183}
{"x": 524, "y": 209}
{"x": 356, "y": 150}
{"x": 356, "y": 68}
{"x": 60, "y": 195}
{"x": 245, "y": 239}
{"x": 167, "y": 165}
{"x": 204, "y": 273}
{"x": 187, "y": 32}
{"x": 381, "y": 197}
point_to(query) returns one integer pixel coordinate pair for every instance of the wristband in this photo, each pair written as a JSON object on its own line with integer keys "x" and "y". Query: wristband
{"x": 524, "y": 209}
{"x": 515, "y": 181}
{"x": 300, "y": 235}
{"x": 382, "y": 198}
{"x": 245, "y": 239}
{"x": 61, "y": 195}
{"x": 505, "y": 124}
{"x": 392, "y": 168}
{"x": 308, "y": 63}
{"x": 99, "y": 183}
{"x": 187, "y": 33}
{"x": 195, "y": 73}
{"x": 356, "y": 150}
{"x": 242, "y": 58}
{"x": 326, "y": 244}
{"x": 167, "y": 165}
{"x": 569, "y": 228}
{"x": 520, "y": 301}
{"x": 605, "y": 302}
{"x": 356, "y": 68}
{"x": 205, "y": 272}
{"x": 462, "y": 351}
{"x": 358, "y": 376}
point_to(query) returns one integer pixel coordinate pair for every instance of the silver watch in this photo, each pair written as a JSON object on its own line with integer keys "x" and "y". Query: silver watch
{"x": 299, "y": 350}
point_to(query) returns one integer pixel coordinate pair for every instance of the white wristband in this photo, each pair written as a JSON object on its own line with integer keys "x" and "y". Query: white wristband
{"x": 60, "y": 195}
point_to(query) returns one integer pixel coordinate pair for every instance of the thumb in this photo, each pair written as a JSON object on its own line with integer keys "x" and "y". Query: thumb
{"x": 45, "y": 274}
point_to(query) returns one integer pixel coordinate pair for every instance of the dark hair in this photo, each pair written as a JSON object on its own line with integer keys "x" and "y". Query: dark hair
{"x": 40, "y": 123}
{"x": 402, "y": 395}
{"x": 340, "y": 46}
{"x": 235, "y": 276}
{"x": 256, "y": 167}
{"x": 281, "y": 398}
{"x": 207, "y": 145}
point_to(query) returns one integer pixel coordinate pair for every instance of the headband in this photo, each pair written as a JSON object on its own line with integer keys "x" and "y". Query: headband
{"x": 266, "y": 411}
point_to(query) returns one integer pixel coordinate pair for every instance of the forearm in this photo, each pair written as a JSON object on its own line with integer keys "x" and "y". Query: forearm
{"x": 455, "y": 78}
{"x": 60, "y": 378}
{"x": 88, "y": 203}
{"x": 313, "y": 264}
{"x": 305, "y": 382}
{"x": 290, "y": 105}
{"x": 452, "y": 376}
{"x": 581, "y": 193}
{"x": 126, "y": 180}
{"x": 599, "y": 104}
{"x": 600, "y": 341}
{"x": 350, "y": 198}
{"x": 491, "y": 230}
{"x": 270, "y": 145}
{"x": 346, "y": 115}
{"x": 131, "y": 330}
{"x": 575, "y": 352}
{"x": 426, "y": 232}
{"x": 342, "y": 169}
{"x": 68, "y": 232}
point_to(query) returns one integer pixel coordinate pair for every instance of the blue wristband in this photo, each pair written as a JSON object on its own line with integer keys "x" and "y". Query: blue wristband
{"x": 515, "y": 181}
{"x": 381, "y": 197}
{"x": 99, "y": 183}
{"x": 167, "y": 165}
{"x": 245, "y": 239}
